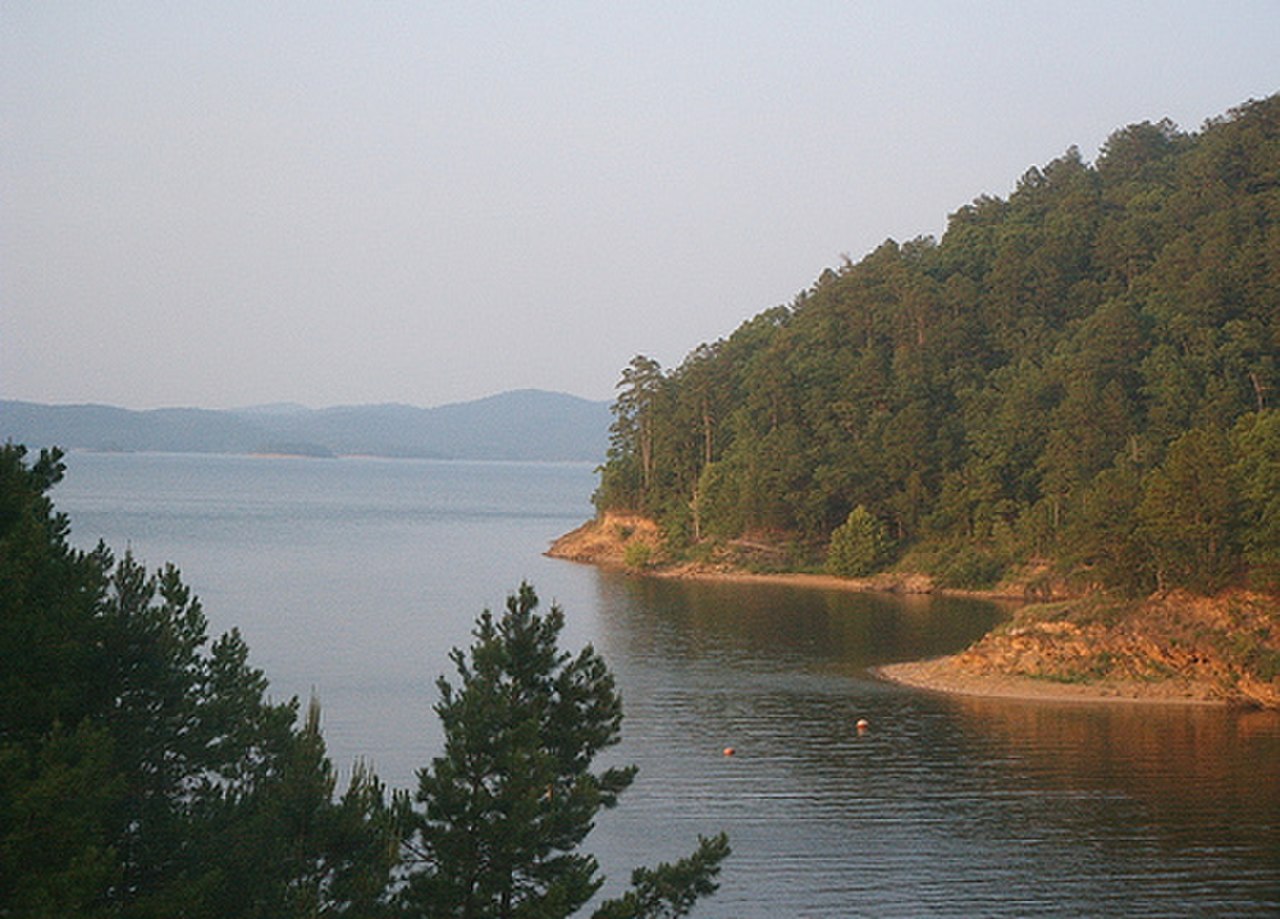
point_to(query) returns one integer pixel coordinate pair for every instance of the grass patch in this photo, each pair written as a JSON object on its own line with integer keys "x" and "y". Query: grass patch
{"x": 1090, "y": 670}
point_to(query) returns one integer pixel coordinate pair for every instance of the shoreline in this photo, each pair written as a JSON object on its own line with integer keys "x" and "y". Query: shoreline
{"x": 887, "y": 583}
{"x": 603, "y": 543}
{"x": 946, "y": 676}
{"x": 1170, "y": 648}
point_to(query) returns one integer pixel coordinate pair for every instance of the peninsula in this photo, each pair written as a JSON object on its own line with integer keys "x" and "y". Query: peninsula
{"x": 1068, "y": 399}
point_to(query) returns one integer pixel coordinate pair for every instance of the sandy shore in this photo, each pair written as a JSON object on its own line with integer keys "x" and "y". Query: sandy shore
{"x": 947, "y": 675}
{"x": 955, "y": 676}
{"x": 888, "y": 583}
{"x": 604, "y": 543}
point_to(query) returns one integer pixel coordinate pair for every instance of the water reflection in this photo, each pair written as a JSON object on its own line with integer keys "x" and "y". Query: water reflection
{"x": 778, "y": 626}
{"x": 356, "y": 577}
{"x": 1204, "y": 781}
{"x": 954, "y": 807}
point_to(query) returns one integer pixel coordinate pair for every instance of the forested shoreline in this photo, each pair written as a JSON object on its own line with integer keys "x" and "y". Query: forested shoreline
{"x": 1081, "y": 376}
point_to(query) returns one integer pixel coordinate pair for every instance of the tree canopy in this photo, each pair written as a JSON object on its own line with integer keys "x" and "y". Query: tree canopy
{"x": 143, "y": 770}
{"x": 994, "y": 395}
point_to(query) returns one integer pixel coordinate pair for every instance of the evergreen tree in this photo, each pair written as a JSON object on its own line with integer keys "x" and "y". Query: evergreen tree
{"x": 858, "y": 546}
{"x": 505, "y": 808}
{"x": 1257, "y": 476}
{"x": 632, "y": 435}
{"x": 143, "y": 771}
{"x": 1188, "y": 513}
{"x": 982, "y": 389}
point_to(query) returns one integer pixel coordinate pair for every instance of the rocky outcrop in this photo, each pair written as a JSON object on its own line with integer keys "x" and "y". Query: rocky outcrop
{"x": 612, "y": 539}
{"x": 1174, "y": 645}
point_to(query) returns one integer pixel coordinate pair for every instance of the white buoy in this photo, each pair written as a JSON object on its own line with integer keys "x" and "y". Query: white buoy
{"x": 863, "y": 725}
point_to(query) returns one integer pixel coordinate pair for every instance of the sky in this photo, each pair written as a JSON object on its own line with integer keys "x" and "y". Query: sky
{"x": 238, "y": 203}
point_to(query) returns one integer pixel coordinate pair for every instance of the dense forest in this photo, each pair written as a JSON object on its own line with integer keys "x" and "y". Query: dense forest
{"x": 1082, "y": 375}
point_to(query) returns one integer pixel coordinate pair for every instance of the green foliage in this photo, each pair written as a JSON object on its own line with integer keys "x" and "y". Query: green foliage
{"x": 1257, "y": 479}
{"x": 143, "y": 771}
{"x": 969, "y": 567}
{"x": 56, "y": 799}
{"x": 1188, "y": 513}
{"x": 858, "y": 546}
{"x": 630, "y": 473}
{"x": 670, "y": 890}
{"x": 505, "y": 808}
{"x": 1102, "y": 540}
{"x": 988, "y": 388}
{"x": 637, "y": 555}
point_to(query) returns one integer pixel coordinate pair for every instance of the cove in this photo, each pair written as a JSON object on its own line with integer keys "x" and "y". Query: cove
{"x": 354, "y": 578}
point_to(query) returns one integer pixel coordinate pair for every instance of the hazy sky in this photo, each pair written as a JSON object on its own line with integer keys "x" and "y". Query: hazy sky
{"x": 228, "y": 203}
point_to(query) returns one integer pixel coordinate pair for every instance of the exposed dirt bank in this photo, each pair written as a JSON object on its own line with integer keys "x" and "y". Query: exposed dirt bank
{"x": 1169, "y": 648}
{"x": 607, "y": 540}
{"x": 635, "y": 543}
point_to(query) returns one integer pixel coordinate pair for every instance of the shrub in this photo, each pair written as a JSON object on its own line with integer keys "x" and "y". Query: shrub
{"x": 970, "y": 568}
{"x": 637, "y": 555}
{"x": 858, "y": 546}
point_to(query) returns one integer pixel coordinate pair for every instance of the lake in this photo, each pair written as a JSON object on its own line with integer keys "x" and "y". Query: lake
{"x": 352, "y": 579}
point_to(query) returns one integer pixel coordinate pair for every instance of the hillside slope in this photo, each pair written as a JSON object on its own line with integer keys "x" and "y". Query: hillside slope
{"x": 518, "y": 425}
{"x": 1085, "y": 373}
{"x": 1171, "y": 647}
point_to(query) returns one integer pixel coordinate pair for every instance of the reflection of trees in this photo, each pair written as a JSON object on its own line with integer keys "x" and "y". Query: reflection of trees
{"x": 780, "y": 626}
{"x": 1196, "y": 776}
{"x": 946, "y": 806}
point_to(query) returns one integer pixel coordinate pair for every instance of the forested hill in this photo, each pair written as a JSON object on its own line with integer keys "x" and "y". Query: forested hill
{"x": 520, "y": 425}
{"x": 1083, "y": 373}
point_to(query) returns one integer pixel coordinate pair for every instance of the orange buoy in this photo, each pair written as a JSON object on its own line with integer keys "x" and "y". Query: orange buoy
{"x": 729, "y": 751}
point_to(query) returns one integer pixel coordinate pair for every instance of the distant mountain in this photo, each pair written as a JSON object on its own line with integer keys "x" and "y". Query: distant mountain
{"x": 520, "y": 425}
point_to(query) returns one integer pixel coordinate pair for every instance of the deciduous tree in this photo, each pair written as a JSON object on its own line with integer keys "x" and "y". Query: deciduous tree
{"x": 858, "y": 546}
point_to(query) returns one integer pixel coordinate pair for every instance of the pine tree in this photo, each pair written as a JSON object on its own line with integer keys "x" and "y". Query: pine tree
{"x": 506, "y": 806}
{"x": 144, "y": 772}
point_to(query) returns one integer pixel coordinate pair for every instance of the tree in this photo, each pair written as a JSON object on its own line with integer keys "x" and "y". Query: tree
{"x": 143, "y": 770}
{"x": 1257, "y": 472}
{"x": 982, "y": 388}
{"x": 1188, "y": 513}
{"x": 632, "y": 432}
{"x": 506, "y": 806}
{"x": 858, "y": 546}
{"x": 59, "y": 786}
{"x": 670, "y": 890}
{"x": 1103, "y": 534}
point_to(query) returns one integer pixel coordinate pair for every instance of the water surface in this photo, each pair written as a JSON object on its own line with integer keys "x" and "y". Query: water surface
{"x": 352, "y": 578}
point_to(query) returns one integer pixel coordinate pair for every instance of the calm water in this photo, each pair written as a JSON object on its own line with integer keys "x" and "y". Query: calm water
{"x": 353, "y": 578}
